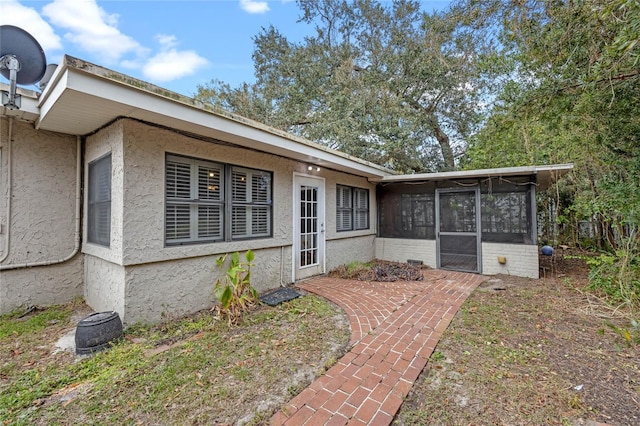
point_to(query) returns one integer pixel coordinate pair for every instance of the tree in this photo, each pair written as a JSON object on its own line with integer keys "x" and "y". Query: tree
{"x": 387, "y": 83}
{"x": 571, "y": 95}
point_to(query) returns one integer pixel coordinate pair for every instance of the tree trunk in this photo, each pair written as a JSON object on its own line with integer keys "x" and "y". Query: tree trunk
{"x": 445, "y": 146}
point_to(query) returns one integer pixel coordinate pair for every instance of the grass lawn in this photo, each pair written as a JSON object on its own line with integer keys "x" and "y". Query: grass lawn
{"x": 195, "y": 370}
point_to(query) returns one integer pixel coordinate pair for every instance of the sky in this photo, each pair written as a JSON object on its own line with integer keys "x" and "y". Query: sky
{"x": 174, "y": 44}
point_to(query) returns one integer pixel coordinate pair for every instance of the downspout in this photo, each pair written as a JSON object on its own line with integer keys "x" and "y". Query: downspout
{"x": 9, "y": 178}
{"x": 76, "y": 248}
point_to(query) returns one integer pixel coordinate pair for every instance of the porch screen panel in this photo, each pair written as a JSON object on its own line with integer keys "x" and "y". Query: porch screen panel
{"x": 459, "y": 252}
{"x": 507, "y": 211}
{"x": 407, "y": 211}
{"x": 458, "y": 238}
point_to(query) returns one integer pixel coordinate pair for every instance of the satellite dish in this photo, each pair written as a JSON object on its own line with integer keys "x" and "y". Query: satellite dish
{"x": 22, "y": 61}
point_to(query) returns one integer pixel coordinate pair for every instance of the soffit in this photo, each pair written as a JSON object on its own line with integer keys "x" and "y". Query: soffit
{"x": 82, "y": 97}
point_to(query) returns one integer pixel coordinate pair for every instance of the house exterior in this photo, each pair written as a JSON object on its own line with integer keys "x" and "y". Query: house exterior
{"x": 120, "y": 192}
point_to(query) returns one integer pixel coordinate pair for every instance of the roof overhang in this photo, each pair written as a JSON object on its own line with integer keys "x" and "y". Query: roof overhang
{"x": 545, "y": 175}
{"x": 82, "y": 97}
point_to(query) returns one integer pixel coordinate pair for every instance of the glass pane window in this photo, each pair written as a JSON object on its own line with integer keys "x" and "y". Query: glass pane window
{"x": 251, "y": 203}
{"x": 99, "y": 202}
{"x": 207, "y": 201}
{"x": 352, "y": 208}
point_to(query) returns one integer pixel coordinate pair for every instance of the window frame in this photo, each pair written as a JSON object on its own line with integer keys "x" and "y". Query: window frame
{"x": 224, "y": 190}
{"x": 354, "y": 210}
{"x": 99, "y": 202}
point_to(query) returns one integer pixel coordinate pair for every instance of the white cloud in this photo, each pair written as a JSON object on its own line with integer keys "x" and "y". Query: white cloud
{"x": 27, "y": 18}
{"x": 92, "y": 29}
{"x": 170, "y": 63}
{"x": 252, "y": 6}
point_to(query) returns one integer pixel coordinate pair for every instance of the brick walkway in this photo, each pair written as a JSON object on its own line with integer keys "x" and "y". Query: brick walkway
{"x": 394, "y": 329}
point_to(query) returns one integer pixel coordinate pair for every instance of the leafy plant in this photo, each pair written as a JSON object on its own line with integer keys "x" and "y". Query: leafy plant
{"x": 630, "y": 335}
{"x": 618, "y": 274}
{"x": 234, "y": 290}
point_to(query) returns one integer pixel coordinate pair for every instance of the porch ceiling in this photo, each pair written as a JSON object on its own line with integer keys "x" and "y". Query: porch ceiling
{"x": 546, "y": 175}
{"x": 82, "y": 97}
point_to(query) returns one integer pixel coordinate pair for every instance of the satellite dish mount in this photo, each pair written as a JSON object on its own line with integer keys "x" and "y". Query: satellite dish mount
{"x": 22, "y": 61}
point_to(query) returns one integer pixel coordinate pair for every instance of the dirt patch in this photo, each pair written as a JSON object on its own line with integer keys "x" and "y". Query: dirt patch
{"x": 531, "y": 352}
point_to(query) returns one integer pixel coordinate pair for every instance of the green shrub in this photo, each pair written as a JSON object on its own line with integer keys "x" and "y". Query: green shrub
{"x": 617, "y": 275}
{"x": 234, "y": 290}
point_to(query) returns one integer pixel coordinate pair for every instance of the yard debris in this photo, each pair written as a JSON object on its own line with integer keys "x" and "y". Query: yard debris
{"x": 379, "y": 270}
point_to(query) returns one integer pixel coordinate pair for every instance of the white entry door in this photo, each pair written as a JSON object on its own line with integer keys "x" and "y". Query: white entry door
{"x": 309, "y": 226}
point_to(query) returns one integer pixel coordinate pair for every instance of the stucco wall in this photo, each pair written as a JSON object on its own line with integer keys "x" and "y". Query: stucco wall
{"x": 143, "y": 219}
{"x": 343, "y": 251}
{"x": 522, "y": 259}
{"x": 42, "y": 217}
{"x": 176, "y": 280}
{"x": 164, "y": 290}
{"x": 105, "y": 141}
{"x": 400, "y": 250}
{"x": 104, "y": 285}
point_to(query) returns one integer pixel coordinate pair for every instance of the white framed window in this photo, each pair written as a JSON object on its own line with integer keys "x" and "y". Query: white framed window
{"x": 99, "y": 201}
{"x": 208, "y": 201}
{"x": 352, "y": 208}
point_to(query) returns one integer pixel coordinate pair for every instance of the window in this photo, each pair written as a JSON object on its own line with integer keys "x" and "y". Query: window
{"x": 99, "y": 201}
{"x": 208, "y": 202}
{"x": 251, "y": 203}
{"x": 352, "y": 208}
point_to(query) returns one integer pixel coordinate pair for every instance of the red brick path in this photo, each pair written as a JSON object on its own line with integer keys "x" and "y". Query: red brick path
{"x": 394, "y": 329}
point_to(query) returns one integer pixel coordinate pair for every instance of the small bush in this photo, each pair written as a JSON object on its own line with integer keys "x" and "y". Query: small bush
{"x": 234, "y": 291}
{"x": 617, "y": 275}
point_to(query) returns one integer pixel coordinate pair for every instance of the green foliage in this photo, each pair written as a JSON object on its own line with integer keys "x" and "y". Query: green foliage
{"x": 617, "y": 275}
{"x": 569, "y": 94}
{"x": 234, "y": 290}
{"x": 383, "y": 81}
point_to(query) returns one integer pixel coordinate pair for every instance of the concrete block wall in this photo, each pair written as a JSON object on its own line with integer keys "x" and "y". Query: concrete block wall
{"x": 522, "y": 259}
{"x": 400, "y": 250}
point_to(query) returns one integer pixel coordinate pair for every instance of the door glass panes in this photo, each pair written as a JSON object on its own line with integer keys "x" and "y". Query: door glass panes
{"x": 308, "y": 225}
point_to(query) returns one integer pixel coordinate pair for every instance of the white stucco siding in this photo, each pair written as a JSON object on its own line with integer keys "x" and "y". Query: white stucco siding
{"x": 104, "y": 285}
{"x": 105, "y": 141}
{"x": 168, "y": 289}
{"x": 42, "y": 224}
{"x": 42, "y": 194}
{"x": 145, "y": 150}
{"x": 522, "y": 259}
{"x": 401, "y": 250}
{"x": 41, "y": 286}
{"x": 346, "y": 250}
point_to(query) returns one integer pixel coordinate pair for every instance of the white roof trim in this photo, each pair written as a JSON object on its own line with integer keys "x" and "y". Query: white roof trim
{"x": 546, "y": 174}
{"x": 82, "y": 97}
